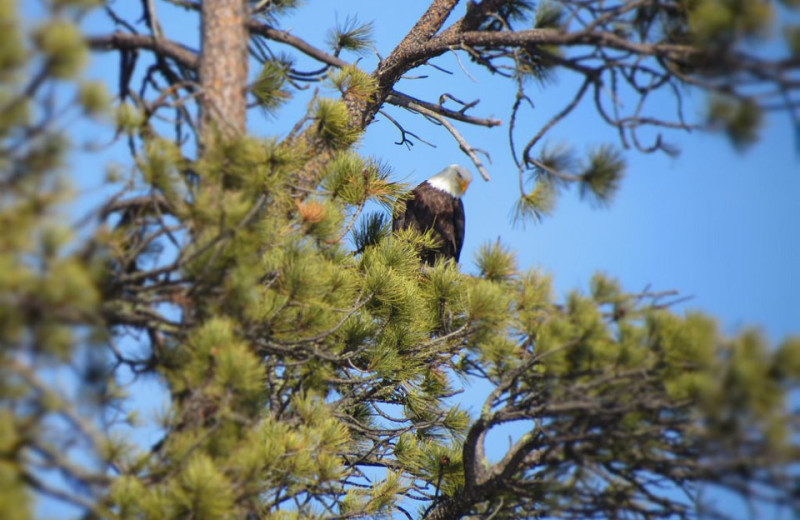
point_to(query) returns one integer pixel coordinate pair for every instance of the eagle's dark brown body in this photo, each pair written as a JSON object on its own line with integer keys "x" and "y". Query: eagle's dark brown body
{"x": 432, "y": 208}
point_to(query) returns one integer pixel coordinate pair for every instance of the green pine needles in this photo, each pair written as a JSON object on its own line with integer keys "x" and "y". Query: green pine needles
{"x": 306, "y": 365}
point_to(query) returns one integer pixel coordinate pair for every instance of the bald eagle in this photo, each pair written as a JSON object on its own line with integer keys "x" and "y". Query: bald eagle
{"x": 436, "y": 204}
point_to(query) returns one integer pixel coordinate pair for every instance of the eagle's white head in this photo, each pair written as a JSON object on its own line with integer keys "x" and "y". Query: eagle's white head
{"x": 454, "y": 180}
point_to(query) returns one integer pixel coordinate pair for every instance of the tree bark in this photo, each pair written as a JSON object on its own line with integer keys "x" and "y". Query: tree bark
{"x": 397, "y": 63}
{"x": 223, "y": 66}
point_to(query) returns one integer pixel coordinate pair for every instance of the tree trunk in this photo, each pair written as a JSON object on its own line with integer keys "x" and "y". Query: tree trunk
{"x": 223, "y": 66}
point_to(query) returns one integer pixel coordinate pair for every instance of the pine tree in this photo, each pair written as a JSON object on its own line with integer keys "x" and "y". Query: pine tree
{"x": 309, "y": 379}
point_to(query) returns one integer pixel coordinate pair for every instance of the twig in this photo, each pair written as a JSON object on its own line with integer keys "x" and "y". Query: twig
{"x": 558, "y": 117}
{"x": 151, "y": 17}
{"x": 403, "y": 132}
{"x": 463, "y": 68}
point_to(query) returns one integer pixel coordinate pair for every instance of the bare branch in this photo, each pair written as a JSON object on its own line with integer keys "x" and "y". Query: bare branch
{"x": 403, "y": 132}
{"x": 298, "y": 43}
{"x": 126, "y": 41}
{"x": 404, "y": 100}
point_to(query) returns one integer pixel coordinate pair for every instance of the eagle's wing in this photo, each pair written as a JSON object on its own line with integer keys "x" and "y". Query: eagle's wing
{"x": 459, "y": 221}
{"x": 418, "y": 212}
{"x": 431, "y": 209}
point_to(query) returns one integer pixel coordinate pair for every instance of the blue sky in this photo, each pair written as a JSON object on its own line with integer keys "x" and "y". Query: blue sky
{"x": 714, "y": 224}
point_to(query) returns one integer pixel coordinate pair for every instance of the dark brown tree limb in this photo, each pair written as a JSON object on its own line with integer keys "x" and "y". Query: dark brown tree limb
{"x": 404, "y": 100}
{"x": 438, "y": 45}
{"x": 121, "y": 41}
{"x": 303, "y": 46}
{"x": 475, "y": 16}
{"x": 398, "y": 63}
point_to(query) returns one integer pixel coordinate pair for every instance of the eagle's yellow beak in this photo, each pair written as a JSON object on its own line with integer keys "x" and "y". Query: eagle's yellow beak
{"x": 464, "y": 184}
